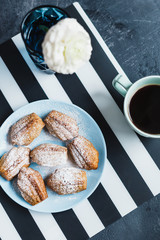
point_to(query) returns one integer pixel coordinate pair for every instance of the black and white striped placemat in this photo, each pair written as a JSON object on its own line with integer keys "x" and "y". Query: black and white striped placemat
{"x": 131, "y": 174}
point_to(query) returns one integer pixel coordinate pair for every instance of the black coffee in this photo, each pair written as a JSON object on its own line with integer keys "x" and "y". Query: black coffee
{"x": 145, "y": 109}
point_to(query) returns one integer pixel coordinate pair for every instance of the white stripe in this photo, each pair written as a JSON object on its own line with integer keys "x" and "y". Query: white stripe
{"x": 48, "y": 82}
{"x": 88, "y": 218}
{"x": 127, "y": 137}
{"x": 114, "y": 187}
{"x": 42, "y": 222}
{"x": 7, "y": 229}
{"x": 99, "y": 38}
{"x": 48, "y": 226}
{"x": 10, "y": 88}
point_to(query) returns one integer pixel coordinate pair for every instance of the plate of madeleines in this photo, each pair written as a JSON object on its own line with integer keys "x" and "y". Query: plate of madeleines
{"x": 52, "y": 155}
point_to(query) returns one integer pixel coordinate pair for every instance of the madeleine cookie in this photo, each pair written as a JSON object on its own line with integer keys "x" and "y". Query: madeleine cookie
{"x": 12, "y": 161}
{"x": 62, "y": 126}
{"x": 67, "y": 181}
{"x": 31, "y": 186}
{"x": 26, "y": 129}
{"x": 50, "y": 155}
{"x": 84, "y": 153}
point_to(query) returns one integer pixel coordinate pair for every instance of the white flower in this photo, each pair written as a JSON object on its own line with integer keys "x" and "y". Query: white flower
{"x": 66, "y": 46}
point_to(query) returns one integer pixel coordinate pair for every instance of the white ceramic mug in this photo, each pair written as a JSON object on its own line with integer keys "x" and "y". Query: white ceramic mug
{"x": 127, "y": 90}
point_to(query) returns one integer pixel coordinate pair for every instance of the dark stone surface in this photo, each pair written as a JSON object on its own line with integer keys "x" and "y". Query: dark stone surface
{"x": 141, "y": 224}
{"x": 131, "y": 29}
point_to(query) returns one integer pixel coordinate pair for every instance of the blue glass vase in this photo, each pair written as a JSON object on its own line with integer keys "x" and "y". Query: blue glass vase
{"x": 33, "y": 29}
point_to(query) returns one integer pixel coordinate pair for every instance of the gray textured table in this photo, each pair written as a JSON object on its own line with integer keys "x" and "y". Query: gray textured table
{"x": 131, "y": 30}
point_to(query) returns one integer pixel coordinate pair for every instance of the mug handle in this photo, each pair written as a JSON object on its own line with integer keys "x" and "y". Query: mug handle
{"x": 121, "y": 84}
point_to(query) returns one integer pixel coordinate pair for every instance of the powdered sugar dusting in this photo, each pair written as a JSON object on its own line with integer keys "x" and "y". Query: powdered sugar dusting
{"x": 24, "y": 131}
{"x": 77, "y": 157}
{"x": 49, "y": 155}
{"x": 84, "y": 153}
{"x": 61, "y": 125}
{"x": 13, "y": 161}
{"x": 67, "y": 181}
{"x": 31, "y": 186}
{"x": 67, "y": 175}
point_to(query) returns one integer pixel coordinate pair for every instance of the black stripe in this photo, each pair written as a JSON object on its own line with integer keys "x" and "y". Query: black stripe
{"x": 103, "y": 206}
{"x": 5, "y": 108}
{"x": 116, "y": 154}
{"x": 153, "y": 147}
{"x": 107, "y": 72}
{"x": 70, "y": 225}
{"x": 99, "y": 60}
{"x": 21, "y": 218}
{"x": 21, "y": 72}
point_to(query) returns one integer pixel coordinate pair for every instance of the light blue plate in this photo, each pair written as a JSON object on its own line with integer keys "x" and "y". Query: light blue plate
{"x": 87, "y": 128}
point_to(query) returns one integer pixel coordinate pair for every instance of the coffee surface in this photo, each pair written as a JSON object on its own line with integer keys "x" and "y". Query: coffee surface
{"x": 144, "y": 109}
